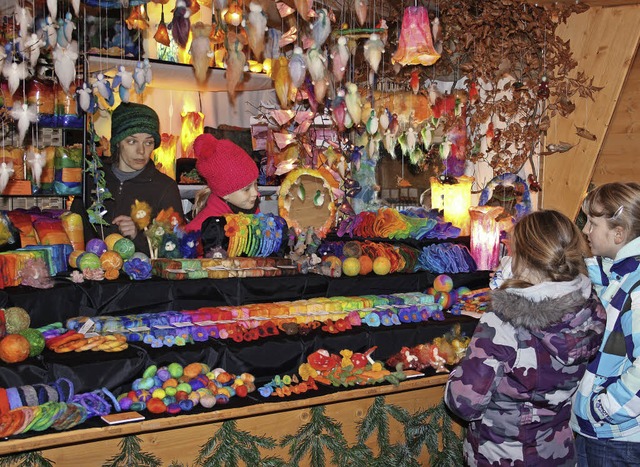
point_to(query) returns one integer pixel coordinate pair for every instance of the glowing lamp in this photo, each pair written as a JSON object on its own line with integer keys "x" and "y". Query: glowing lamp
{"x": 485, "y": 236}
{"x": 254, "y": 66}
{"x": 138, "y": 18}
{"x": 219, "y": 57}
{"x": 455, "y": 200}
{"x": 233, "y": 15}
{"x": 415, "y": 46}
{"x": 192, "y": 127}
{"x": 162, "y": 33}
{"x": 266, "y": 66}
{"x": 164, "y": 156}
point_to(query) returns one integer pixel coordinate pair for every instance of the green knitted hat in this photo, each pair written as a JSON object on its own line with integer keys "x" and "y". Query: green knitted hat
{"x": 130, "y": 118}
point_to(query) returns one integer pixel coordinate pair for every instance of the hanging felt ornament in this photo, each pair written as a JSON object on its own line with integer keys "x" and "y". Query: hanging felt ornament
{"x": 64, "y": 64}
{"x": 139, "y": 80}
{"x": 282, "y": 80}
{"x": 123, "y": 81}
{"x": 32, "y": 47}
{"x": 316, "y": 63}
{"x": 256, "y": 27}
{"x": 415, "y": 46}
{"x": 162, "y": 33}
{"x": 339, "y": 58}
{"x": 24, "y": 115}
{"x": 6, "y": 171}
{"x": 354, "y": 103}
{"x": 372, "y": 123}
{"x": 361, "y": 7}
{"x": 272, "y": 49}
{"x": 437, "y": 34}
{"x": 180, "y": 25}
{"x": 103, "y": 86}
{"x": 373, "y": 50}
{"x": 50, "y": 33}
{"x": 201, "y": 53}
{"x": 36, "y": 162}
{"x": 235, "y": 68}
{"x": 414, "y": 82}
{"x": 85, "y": 98}
{"x": 321, "y": 28}
{"x": 297, "y": 67}
{"x": 14, "y": 73}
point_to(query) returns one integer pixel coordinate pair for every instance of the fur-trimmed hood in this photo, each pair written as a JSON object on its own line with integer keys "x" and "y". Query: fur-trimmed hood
{"x": 567, "y": 317}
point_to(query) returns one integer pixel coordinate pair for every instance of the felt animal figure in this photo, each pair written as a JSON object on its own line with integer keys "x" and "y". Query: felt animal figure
{"x": 169, "y": 246}
{"x": 189, "y": 245}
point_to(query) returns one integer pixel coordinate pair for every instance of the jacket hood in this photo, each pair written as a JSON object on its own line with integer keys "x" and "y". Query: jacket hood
{"x": 567, "y": 317}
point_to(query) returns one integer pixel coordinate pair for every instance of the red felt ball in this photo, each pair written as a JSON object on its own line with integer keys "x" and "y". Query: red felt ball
{"x": 156, "y": 405}
{"x": 241, "y": 391}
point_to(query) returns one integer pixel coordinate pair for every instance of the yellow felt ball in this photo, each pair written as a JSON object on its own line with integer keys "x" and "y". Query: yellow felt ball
{"x": 351, "y": 266}
{"x": 112, "y": 239}
{"x": 381, "y": 265}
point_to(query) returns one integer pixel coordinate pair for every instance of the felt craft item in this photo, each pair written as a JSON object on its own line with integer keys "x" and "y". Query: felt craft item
{"x": 224, "y": 165}
{"x": 131, "y": 118}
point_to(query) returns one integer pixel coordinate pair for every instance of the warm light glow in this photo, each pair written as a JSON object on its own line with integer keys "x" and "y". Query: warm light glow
{"x": 219, "y": 56}
{"x": 162, "y": 33}
{"x": 164, "y": 156}
{"x": 266, "y": 66}
{"x": 455, "y": 200}
{"x": 415, "y": 46}
{"x": 254, "y": 66}
{"x": 192, "y": 127}
{"x": 184, "y": 55}
{"x": 233, "y": 15}
{"x": 485, "y": 236}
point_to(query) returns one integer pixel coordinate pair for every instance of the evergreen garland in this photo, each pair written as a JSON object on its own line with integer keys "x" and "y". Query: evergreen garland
{"x": 229, "y": 446}
{"x": 312, "y": 438}
{"x": 131, "y": 454}
{"x": 25, "y": 459}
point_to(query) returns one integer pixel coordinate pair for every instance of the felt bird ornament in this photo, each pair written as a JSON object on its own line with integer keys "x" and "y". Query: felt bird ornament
{"x": 297, "y": 67}
{"x": 24, "y": 115}
{"x": 14, "y": 73}
{"x": 235, "y": 68}
{"x": 85, "y": 98}
{"x": 321, "y": 28}
{"x": 427, "y": 136}
{"x": 373, "y": 50}
{"x": 6, "y": 171}
{"x": 123, "y": 81}
{"x": 361, "y": 7}
{"x": 408, "y": 141}
{"x": 339, "y": 58}
{"x": 256, "y": 27}
{"x": 372, "y": 123}
{"x": 316, "y": 63}
{"x": 281, "y": 80}
{"x": 36, "y": 162}
{"x": 103, "y": 86}
{"x": 64, "y": 64}
{"x": 414, "y": 82}
{"x": 354, "y": 103}
{"x": 180, "y": 25}
{"x": 339, "y": 110}
{"x": 200, "y": 50}
{"x": 389, "y": 141}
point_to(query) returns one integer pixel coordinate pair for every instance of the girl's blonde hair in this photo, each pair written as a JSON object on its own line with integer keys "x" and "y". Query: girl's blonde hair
{"x": 618, "y": 203}
{"x": 546, "y": 244}
{"x": 200, "y": 200}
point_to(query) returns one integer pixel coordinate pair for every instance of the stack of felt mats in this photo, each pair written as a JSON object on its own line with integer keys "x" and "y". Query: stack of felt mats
{"x": 446, "y": 258}
{"x": 396, "y": 225}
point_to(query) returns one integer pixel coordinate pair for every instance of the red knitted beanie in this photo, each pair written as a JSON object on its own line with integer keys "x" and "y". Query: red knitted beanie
{"x": 224, "y": 165}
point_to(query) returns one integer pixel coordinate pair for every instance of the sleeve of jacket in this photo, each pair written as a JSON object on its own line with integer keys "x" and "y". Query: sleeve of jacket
{"x": 490, "y": 355}
{"x": 619, "y": 402}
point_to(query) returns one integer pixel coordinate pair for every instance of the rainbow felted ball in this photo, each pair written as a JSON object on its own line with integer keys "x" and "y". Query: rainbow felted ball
{"x": 463, "y": 291}
{"x": 443, "y": 283}
{"x": 445, "y": 299}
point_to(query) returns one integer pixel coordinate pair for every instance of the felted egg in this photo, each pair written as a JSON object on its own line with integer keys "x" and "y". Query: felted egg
{"x": 73, "y": 258}
{"x": 141, "y": 256}
{"x": 125, "y": 248}
{"x": 443, "y": 283}
{"x": 125, "y": 403}
{"x": 463, "y": 291}
{"x": 88, "y": 261}
{"x": 175, "y": 369}
{"x": 96, "y": 246}
{"x": 111, "y": 240}
{"x": 111, "y": 260}
{"x": 208, "y": 401}
{"x": 163, "y": 374}
{"x": 156, "y": 405}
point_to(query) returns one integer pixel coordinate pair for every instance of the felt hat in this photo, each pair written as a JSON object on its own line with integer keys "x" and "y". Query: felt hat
{"x": 224, "y": 165}
{"x": 129, "y": 119}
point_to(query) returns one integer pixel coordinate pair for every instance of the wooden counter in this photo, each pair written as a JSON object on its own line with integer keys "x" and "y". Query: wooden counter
{"x": 178, "y": 440}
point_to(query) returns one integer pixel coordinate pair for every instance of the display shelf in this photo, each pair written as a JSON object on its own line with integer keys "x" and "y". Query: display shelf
{"x": 189, "y": 191}
{"x": 169, "y": 75}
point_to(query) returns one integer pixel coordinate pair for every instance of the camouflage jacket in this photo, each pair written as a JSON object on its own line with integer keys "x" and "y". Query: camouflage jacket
{"x": 521, "y": 370}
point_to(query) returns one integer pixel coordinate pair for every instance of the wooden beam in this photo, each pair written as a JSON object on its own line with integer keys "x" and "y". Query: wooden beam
{"x": 604, "y": 42}
{"x": 593, "y": 3}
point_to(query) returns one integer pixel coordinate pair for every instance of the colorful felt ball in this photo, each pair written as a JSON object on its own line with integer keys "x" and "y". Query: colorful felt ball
{"x": 73, "y": 258}
{"x": 443, "y": 283}
{"x": 463, "y": 291}
{"x": 111, "y": 260}
{"x": 444, "y": 299}
{"x": 163, "y": 374}
{"x": 155, "y": 405}
{"x": 112, "y": 239}
{"x": 158, "y": 393}
{"x": 174, "y": 408}
{"x": 175, "y": 369}
{"x": 186, "y": 387}
{"x": 125, "y": 403}
{"x": 141, "y": 256}
{"x": 125, "y": 248}
{"x": 181, "y": 395}
{"x": 88, "y": 261}
{"x": 96, "y": 246}
{"x": 208, "y": 401}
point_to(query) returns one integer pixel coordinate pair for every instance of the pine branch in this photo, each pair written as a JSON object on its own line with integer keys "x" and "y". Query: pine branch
{"x": 131, "y": 454}
{"x": 27, "y": 459}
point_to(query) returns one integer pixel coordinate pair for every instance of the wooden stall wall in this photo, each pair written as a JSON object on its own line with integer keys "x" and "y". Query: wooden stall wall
{"x": 620, "y": 153}
{"x": 604, "y": 42}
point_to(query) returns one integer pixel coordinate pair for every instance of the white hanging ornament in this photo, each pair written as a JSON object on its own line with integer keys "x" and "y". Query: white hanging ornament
{"x": 52, "y": 6}
{"x": 36, "y": 161}
{"x": 14, "y": 72}
{"x": 297, "y": 67}
{"x": 85, "y": 97}
{"x": 373, "y": 50}
{"x": 354, "y": 103}
{"x": 123, "y": 81}
{"x": 139, "y": 78}
{"x": 384, "y": 120}
{"x": 24, "y": 115}
{"x": 321, "y": 28}
{"x": 64, "y": 64}
{"x": 256, "y": 27}
{"x": 49, "y": 29}
{"x": 6, "y": 171}
{"x": 32, "y": 46}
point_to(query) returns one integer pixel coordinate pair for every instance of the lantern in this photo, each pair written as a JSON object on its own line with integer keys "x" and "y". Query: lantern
{"x": 162, "y": 33}
{"x": 454, "y": 199}
{"x": 485, "y": 236}
{"x": 415, "y": 46}
{"x": 192, "y": 127}
{"x": 164, "y": 156}
{"x": 138, "y": 18}
{"x": 233, "y": 15}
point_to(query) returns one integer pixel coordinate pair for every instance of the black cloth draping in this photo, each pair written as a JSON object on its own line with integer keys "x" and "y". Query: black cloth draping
{"x": 123, "y": 296}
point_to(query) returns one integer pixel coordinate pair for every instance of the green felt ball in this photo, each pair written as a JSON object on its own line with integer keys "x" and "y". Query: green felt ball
{"x": 125, "y": 248}
{"x": 175, "y": 369}
{"x": 88, "y": 261}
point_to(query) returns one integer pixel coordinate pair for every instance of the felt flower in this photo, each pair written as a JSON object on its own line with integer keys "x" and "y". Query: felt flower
{"x": 306, "y": 371}
{"x": 35, "y": 274}
{"x": 137, "y": 269}
{"x": 93, "y": 274}
{"x": 141, "y": 214}
{"x": 346, "y": 358}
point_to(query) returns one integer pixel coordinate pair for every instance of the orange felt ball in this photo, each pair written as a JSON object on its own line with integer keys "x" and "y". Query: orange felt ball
{"x": 111, "y": 260}
{"x": 73, "y": 258}
{"x": 14, "y": 348}
{"x": 366, "y": 265}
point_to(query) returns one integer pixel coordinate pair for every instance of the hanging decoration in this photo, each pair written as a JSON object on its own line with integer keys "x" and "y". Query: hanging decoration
{"x": 415, "y": 46}
{"x": 162, "y": 33}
